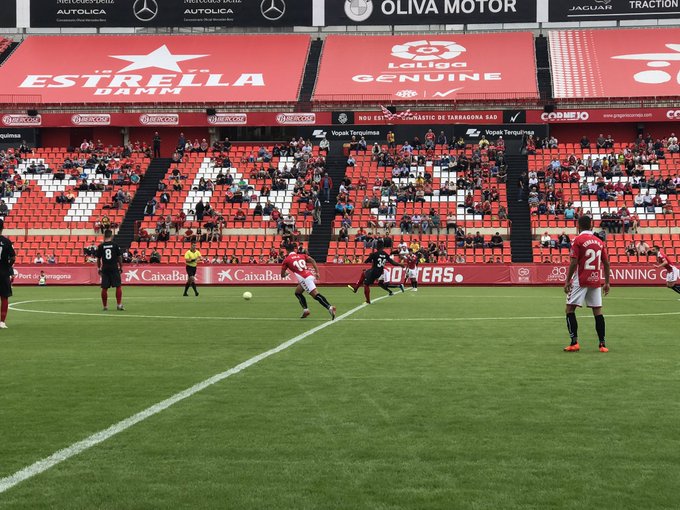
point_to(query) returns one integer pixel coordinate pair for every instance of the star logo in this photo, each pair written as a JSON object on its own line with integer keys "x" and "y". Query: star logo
{"x": 224, "y": 275}
{"x": 145, "y": 10}
{"x": 272, "y": 9}
{"x": 132, "y": 275}
{"x": 160, "y": 58}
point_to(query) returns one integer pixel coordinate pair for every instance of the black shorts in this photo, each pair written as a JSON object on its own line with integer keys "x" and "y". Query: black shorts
{"x": 5, "y": 286}
{"x": 110, "y": 278}
{"x": 191, "y": 270}
{"x": 372, "y": 275}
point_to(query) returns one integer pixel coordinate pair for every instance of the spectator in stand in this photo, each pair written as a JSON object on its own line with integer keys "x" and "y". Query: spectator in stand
{"x": 324, "y": 145}
{"x": 631, "y": 248}
{"x": 585, "y": 142}
{"x": 563, "y": 241}
{"x": 156, "y": 145}
{"x": 642, "y": 249}
{"x": 609, "y": 142}
{"x": 181, "y": 143}
{"x": 601, "y": 141}
{"x": 442, "y": 140}
{"x": 150, "y": 208}
{"x": 155, "y": 257}
{"x": 496, "y": 241}
{"x": 38, "y": 259}
{"x": 478, "y": 240}
{"x": 546, "y": 240}
{"x": 4, "y": 210}
{"x": 326, "y": 186}
{"x": 672, "y": 144}
{"x": 552, "y": 142}
{"x": 52, "y": 259}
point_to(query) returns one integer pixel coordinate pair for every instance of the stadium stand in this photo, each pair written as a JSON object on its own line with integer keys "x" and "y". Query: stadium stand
{"x": 249, "y": 198}
{"x": 412, "y": 195}
{"x": 629, "y": 189}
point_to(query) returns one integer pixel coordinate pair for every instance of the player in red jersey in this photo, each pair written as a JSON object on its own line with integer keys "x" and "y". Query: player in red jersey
{"x": 411, "y": 261}
{"x": 584, "y": 281}
{"x": 296, "y": 263}
{"x": 672, "y": 271}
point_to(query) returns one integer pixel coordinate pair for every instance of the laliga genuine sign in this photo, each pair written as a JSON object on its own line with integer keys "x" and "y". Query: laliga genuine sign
{"x": 434, "y": 68}
{"x": 156, "y": 69}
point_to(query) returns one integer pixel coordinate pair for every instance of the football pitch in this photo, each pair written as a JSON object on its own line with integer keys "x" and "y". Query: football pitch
{"x": 445, "y": 398}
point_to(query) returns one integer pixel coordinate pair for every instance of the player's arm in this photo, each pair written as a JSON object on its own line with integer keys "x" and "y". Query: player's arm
{"x": 573, "y": 265}
{"x": 393, "y": 262}
{"x": 120, "y": 263}
{"x": 284, "y": 271}
{"x": 607, "y": 273}
{"x": 98, "y": 254}
{"x": 313, "y": 263}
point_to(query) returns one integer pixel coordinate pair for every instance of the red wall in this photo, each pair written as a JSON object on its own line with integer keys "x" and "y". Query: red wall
{"x": 65, "y": 137}
{"x": 622, "y": 131}
{"x": 169, "y": 136}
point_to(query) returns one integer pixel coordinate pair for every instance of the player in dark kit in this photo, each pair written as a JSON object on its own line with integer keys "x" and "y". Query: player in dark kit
{"x": 110, "y": 266}
{"x": 377, "y": 259}
{"x": 7, "y": 258}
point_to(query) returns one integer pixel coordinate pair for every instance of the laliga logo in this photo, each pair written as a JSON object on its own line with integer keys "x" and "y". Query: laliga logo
{"x": 424, "y": 51}
{"x": 655, "y": 61}
{"x": 524, "y": 272}
{"x": 145, "y": 10}
{"x": 358, "y": 10}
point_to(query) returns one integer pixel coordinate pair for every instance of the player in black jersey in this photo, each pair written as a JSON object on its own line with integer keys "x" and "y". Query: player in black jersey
{"x": 110, "y": 266}
{"x": 377, "y": 259}
{"x": 7, "y": 258}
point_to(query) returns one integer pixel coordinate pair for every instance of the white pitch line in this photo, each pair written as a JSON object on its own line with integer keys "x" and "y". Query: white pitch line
{"x": 456, "y": 319}
{"x": 64, "y": 454}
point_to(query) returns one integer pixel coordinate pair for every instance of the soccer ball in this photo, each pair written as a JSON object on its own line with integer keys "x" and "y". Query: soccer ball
{"x": 247, "y": 296}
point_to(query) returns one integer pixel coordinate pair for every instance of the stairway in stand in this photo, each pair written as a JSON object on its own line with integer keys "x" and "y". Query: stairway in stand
{"x": 518, "y": 212}
{"x": 309, "y": 78}
{"x": 319, "y": 240}
{"x": 146, "y": 190}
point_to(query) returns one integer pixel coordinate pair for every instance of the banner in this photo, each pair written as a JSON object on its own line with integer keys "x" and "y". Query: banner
{"x": 611, "y": 10}
{"x": 428, "y": 12}
{"x": 13, "y": 137}
{"x": 604, "y": 115}
{"x": 584, "y": 62}
{"x": 160, "y": 119}
{"x": 333, "y": 274}
{"x": 210, "y": 69}
{"x": 427, "y": 68}
{"x": 169, "y": 13}
{"x": 8, "y": 19}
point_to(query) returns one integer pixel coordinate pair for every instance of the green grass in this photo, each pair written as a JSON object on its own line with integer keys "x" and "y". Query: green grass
{"x": 377, "y": 411}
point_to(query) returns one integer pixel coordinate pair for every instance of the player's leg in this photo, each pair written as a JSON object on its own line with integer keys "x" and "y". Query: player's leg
{"x": 310, "y": 285}
{"x": 359, "y": 283}
{"x": 299, "y": 294}
{"x": 414, "y": 284}
{"x": 115, "y": 282}
{"x": 5, "y": 293}
{"x": 105, "y": 290}
{"x": 673, "y": 280}
{"x": 572, "y": 328}
{"x": 193, "y": 283}
{"x": 594, "y": 301}
{"x": 187, "y": 285}
{"x": 600, "y": 329}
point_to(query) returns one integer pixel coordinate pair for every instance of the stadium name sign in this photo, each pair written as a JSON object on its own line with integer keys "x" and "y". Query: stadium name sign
{"x": 138, "y": 85}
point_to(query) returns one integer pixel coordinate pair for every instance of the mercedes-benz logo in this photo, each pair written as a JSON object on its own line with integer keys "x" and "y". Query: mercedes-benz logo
{"x": 145, "y": 10}
{"x": 273, "y": 9}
